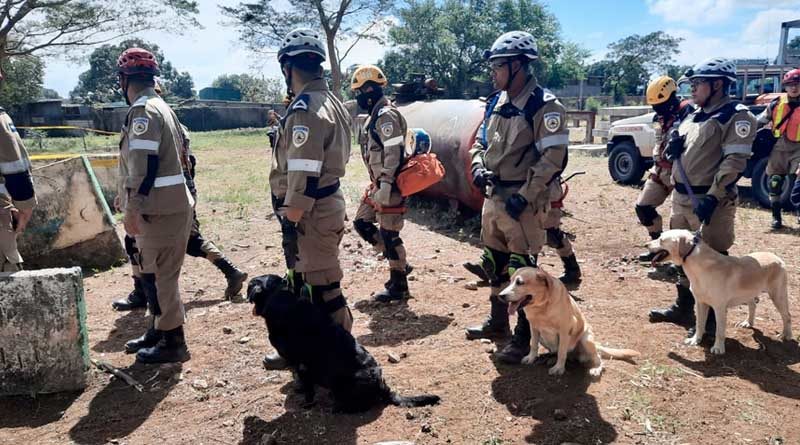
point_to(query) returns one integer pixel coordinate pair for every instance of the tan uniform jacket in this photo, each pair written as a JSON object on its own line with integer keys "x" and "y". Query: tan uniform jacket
{"x": 783, "y": 143}
{"x": 718, "y": 143}
{"x": 151, "y": 175}
{"x": 383, "y": 159}
{"x": 16, "y": 187}
{"x": 312, "y": 148}
{"x": 516, "y": 152}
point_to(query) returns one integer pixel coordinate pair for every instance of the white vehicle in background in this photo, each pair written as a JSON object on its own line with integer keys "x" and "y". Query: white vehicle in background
{"x": 630, "y": 147}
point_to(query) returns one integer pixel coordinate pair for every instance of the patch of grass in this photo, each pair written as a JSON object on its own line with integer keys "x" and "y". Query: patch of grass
{"x": 493, "y": 441}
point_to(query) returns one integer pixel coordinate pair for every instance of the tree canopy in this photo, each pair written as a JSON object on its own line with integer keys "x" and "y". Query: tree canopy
{"x": 252, "y": 88}
{"x": 99, "y": 83}
{"x": 23, "y": 80}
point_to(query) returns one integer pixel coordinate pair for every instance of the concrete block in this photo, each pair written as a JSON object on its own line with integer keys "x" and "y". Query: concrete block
{"x": 43, "y": 337}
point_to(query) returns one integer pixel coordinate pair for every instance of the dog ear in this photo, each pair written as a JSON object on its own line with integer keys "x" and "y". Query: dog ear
{"x": 543, "y": 278}
{"x": 684, "y": 246}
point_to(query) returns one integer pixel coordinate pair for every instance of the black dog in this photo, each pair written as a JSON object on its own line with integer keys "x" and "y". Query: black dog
{"x": 322, "y": 352}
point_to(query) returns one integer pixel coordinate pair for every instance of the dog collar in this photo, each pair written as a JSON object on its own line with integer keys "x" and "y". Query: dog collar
{"x": 695, "y": 242}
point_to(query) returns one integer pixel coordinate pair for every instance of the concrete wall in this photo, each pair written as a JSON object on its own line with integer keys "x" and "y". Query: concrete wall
{"x": 43, "y": 337}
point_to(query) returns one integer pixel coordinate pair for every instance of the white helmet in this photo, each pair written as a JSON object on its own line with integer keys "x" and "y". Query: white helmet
{"x": 514, "y": 43}
{"x": 713, "y": 68}
{"x": 299, "y": 41}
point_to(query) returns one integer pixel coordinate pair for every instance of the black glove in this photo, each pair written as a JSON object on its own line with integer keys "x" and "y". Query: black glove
{"x": 515, "y": 205}
{"x": 675, "y": 147}
{"x": 706, "y": 208}
{"x": 289, "y": 242}
{"x": 482, "y": 177}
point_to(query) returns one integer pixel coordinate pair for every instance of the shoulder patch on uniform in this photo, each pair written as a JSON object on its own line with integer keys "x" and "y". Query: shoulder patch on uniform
{"x": 552, "y": 121}
{"x": 299, "y": 135}
{"x": 383, "y": 110}
{"x": 139, "y": 125}
{"x": 387, "y": 128}
{"x": 742, "y": 107}
{"x": 548, "y": 96}
{"x": 301, "y": 103}
{"x": 140, "y": 102}
{"x": 742, "y": 128}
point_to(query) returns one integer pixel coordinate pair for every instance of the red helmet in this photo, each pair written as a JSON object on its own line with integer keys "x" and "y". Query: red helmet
{"x": 792, "y": 77}
{"x": 137, "y": 61}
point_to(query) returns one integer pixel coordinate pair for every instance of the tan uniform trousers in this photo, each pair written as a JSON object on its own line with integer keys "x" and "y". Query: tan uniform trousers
{"x": 656, "y": 190}
{"x": 718, "y": 234}
{"x": 9, "y": 255}
{"x": 386, "y": 221}
{"x": 162, "y": 248}
{"x": 553, "y": 220}
{"x": 319, "y": 234}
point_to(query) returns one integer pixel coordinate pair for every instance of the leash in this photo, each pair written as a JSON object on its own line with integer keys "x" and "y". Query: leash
{"x": 685, "y": 179}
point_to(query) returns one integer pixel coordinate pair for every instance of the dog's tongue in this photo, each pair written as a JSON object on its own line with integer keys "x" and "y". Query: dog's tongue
{"x": 512, "y": 307}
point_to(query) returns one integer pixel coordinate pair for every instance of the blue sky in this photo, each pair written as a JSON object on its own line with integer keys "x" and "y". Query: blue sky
{"x": 730, "y": 28}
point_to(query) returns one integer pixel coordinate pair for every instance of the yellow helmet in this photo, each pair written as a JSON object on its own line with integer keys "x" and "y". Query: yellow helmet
{"x": 660, "y": 90}
{"x": 367, "y": 73}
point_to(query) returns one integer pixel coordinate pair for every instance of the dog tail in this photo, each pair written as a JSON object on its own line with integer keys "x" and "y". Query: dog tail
{"x": 413, "y": 401}
{"x": 620, "y": 354}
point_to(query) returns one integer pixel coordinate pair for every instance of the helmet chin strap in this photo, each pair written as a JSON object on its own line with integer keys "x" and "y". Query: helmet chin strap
{"x": 124, "y": 86}
{"x": 511, "y": 75}
{"x": 288, "y": 78}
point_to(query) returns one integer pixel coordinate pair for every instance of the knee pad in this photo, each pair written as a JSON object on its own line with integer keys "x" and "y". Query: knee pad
{"x": 775, "y": 185}
{"x": 366, "y": 230}
{"x": 555, "y": 238}
{"x": 518, "y": 261}
{"x": 131, "y": 250}
{"x": 647, "y": 215}
{"x": 494, "y": 263}
{"x": 195, "y": 246}
{"x": 391, "y": 240}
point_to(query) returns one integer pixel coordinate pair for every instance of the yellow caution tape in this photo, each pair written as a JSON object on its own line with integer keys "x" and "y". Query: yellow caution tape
{"x": 70, "y": 127}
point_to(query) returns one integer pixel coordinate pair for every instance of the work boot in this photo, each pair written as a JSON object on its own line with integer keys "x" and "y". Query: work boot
{"x": 777, "y": 221}
{"x": 681, "y": 312}
{"x": 572, "y": 272}
{"x": 274, "y": 362}
{"x": 520, "y": 344}
{"x": 235, "y": 277}
{"x": 409, "y": 269}
{"x": 171, "y": 348}
{"x": 711, "y": 327}
{"x": 477, "y": 270}
{"x": 396, "y": 290}
{"x": 648, "y": 256}
{"x": 149, "y": 339}
{"x": 135, "y": 299}
{"x": 496, "y": 326}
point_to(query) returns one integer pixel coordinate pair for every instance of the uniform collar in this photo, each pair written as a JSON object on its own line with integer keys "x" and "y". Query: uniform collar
{"x": 523, "y": 96}
{"x": 714, "y": 107}
{"x": 382, "y": 102}
{"x": 147, "y": 92}
{"x": 317, "y": 84}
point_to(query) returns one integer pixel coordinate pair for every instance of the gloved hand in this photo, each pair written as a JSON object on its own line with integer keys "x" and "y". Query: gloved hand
{"x": 289, "y": 242}
{"x": 384, "y": 194}
{"x": 515, "y": 205}
{"x": 675, "y": 147}
{"x": 482, "y": 177}
{"x": 795, "y": 196}
{"x": 706, "y": 208}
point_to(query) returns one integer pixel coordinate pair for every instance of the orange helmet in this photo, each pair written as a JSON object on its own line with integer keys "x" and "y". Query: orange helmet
{"x": 137, "y": 61}
{"x": 367, "y": 73}
{"x": 660, "y": 90}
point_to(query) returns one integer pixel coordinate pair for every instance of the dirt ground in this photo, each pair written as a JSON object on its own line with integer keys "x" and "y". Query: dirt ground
{"x": 674, "y": 394}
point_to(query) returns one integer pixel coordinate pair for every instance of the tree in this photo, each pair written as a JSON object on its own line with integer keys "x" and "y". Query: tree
{"x": 100, "y": 82}
{"x": 48, "y": 93}
{"x": 570, "y": 66}
{"x": 252, "y": 88}
{"x": 446, "y": 39}
{"x": 635, "y": 58}
{"x": 344, "y": 23}
{"x": 676, "y": 71}
{"x": 23, "y": 80}
{"x": 57, "y": 26}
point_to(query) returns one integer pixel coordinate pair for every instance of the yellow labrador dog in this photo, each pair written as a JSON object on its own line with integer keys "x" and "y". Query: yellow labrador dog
{"x": 556, "y": 322}
{"x": 720, "y": 281}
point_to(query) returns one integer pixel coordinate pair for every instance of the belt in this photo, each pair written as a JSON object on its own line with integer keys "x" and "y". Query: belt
{"x": 326, "y": 191}
{"x": 697, "y": 189}
{"x": 166, "y": 181}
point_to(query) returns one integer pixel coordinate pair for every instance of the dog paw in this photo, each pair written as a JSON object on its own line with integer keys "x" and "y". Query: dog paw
{"x": 692, "y": 341}
{"x": 718, "y": 349}
{"x": 529, "y": 359}
{"x": 595, "y": 372}
{"x": 744, "y": 324}
{"x": 556, "y": 370}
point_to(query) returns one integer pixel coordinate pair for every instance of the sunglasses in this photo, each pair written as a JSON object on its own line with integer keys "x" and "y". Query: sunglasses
{"x": 497, "y": 65}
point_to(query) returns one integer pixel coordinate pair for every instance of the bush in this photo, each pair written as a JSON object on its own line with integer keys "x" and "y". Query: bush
{"x": 592, "y": 104}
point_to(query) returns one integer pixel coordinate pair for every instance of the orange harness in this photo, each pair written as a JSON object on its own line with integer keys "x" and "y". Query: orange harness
{"x": 397, "y": 210}
{"x": 560, "y": 202}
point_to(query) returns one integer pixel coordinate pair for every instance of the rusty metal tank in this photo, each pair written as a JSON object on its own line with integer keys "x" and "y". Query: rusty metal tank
{"x": 452, "y": 125}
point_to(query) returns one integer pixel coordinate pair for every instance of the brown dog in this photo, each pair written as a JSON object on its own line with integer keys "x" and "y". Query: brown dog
{"x": 556, "y": 322}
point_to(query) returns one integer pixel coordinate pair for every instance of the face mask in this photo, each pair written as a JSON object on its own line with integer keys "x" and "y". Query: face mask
{"x": 368, "y": 100}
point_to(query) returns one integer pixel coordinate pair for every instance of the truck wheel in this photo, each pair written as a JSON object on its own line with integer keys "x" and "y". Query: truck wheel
{"x": 625, "y": 164}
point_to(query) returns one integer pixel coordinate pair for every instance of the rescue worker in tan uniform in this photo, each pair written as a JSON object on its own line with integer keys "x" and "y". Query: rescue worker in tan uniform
{"x": 713, "y": 145}
{"x": 311, "y": 151}
{"x": 382, "y": 148}
{"x": 662, "y": 96}
{"x": 17, "y": 197}
{"x": 197, "y": 246}
{"x": 157, "y": 205}
{"x": 784, "y": 115}
{"x": 520, "y": 149}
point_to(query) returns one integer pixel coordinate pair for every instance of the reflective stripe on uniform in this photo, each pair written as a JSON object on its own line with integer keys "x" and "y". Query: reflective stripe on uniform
{"x": 166, "y": 181}
{"x": 4, "y": 190}
{"x": 18, "y": 166}
{"x": 551, "y": 141}
{"x": 305, "y": 165}
{"x": 393, "y": 141}
{"x": 143, "y": 144}
{"x": 736, "y": 149}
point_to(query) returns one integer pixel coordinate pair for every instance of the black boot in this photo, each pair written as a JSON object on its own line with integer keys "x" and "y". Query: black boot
{"x": 681, "y": 312}
{"x": 235, "y": 277}
{"x": 397, "y": 289}
{"x": 520, "y": 344}
{"x": 171, "y": 348}
{"x": 477, "y": 270}
{"x": 496, "y": 326}
{"x": 274, "y": 362}
{"x": 572, "y": 272}
{"x": 135, "y": 299}
{"x": 148, "y": 340}
{"x": 648, "y": 256}
{"x": 409, "y": 269}
{"x": 711, "y": 326}
{"x": 777, "y": 221}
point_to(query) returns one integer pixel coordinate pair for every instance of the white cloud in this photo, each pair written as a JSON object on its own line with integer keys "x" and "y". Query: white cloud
{"x": 705, "y": 12}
